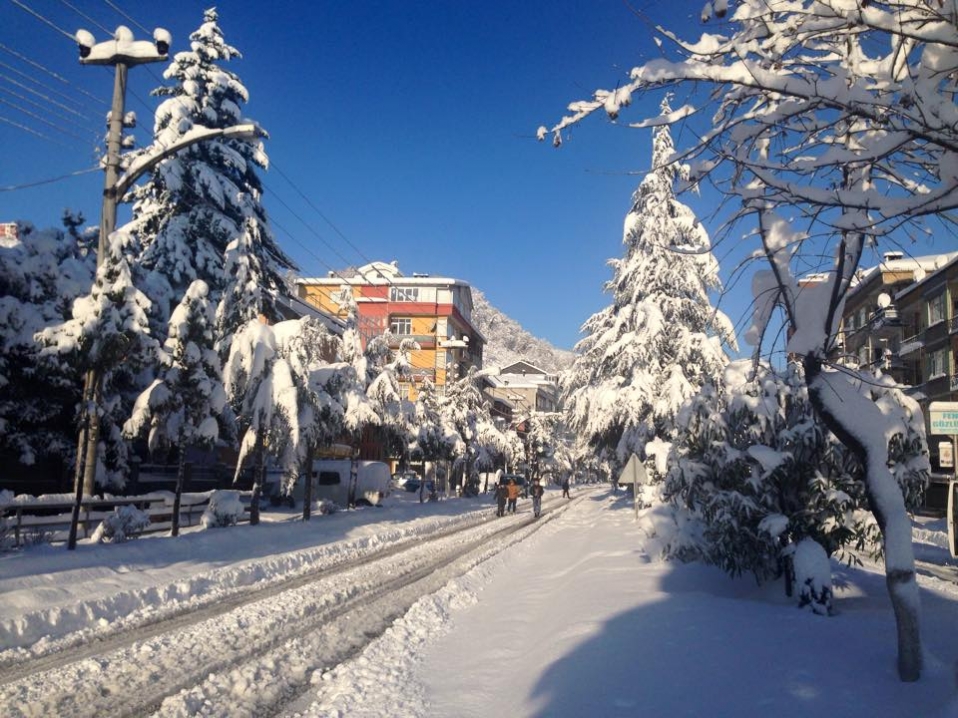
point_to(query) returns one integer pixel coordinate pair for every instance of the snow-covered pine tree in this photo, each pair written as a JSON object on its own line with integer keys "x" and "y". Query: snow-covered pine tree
{"x": 185, "y": 404}
{"x": 200, "y": 214}
{"x": 41, "y": 274}
{"x": 387, "y": 369}
{"x": 436, "y": 438}
{"x": 313, "y": 402}
{"x": 107, "y": 335}
{"x": 465, "y": 408}
{"x": 661, "y": 339}
{"x": 248, "y": 380}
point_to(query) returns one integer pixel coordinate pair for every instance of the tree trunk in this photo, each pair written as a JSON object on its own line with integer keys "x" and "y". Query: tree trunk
{"x": 83, "y": 448}
{"x": 308, "y": 483}
{"x": 178, "y": 493}
{"x": 888, "y": 506}
{"x": 259, "y": 469}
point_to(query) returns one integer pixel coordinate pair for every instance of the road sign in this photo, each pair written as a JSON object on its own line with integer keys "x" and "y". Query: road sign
{"x": 634, "y": 473}
{"x": 943, "y": 417}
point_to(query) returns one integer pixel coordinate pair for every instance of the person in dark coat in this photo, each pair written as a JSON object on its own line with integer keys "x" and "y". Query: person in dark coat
{"x": 537, "y": 491}
{"x": 565, "y": 488}
{"x": 502, "y": 494}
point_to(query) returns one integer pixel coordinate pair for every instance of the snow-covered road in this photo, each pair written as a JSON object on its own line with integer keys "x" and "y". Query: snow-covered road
{"x": 217, "y": 651}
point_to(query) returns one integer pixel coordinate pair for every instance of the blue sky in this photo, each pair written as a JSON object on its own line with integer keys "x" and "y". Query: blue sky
{"x": 410, "y": 125}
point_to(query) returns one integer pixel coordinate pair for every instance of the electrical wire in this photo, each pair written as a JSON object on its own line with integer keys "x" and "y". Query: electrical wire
{"x": 51, "y": 180}
{"x": 44, "y": 108}
{"x": 40, "y": 84}
{"x": 126, "y": 16}
{"x": 44, "y": 97}
{"x": 42, "y": 19}
{"x": 88, "y": 18}
{"x": 51, "y": 73}
{"x": 34, "y": 132}
{"x": 37, "y": 117}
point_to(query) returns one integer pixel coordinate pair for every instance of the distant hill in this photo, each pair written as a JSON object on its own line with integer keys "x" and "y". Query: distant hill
{"x": 507, "y": 342}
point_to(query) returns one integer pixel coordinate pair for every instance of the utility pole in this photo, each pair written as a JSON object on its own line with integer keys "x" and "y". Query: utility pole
{"x": 121, "y": 52}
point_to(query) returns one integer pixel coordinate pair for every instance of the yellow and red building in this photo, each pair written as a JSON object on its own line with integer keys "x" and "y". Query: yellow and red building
{"x": 436, "y": 312}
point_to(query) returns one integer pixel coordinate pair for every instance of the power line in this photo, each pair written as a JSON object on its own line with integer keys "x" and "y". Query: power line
{"x": 88, "y": 18}
{"x": 42, "y": 19}
{"x": 306, "y": 224}
{"x": 275, "y": 195}
{"x": 45, "y": 97}
{"x": 123, "y": 14}
{"x": 34, "y": 132}
{"x": 14, "y": 188}
{"x": 35, "y": 116}
{"x": 328, "y": 221}
{"x": 37, "y": 82}
{"x": 44, "y": 108}
{"x": 51, "y": 73}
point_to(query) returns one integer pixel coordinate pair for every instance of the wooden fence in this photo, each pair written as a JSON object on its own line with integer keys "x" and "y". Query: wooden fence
{"x": 53, "y": 519}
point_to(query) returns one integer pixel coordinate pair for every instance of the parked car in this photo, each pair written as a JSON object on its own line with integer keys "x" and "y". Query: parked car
{"x": 412, "y": 485}
{"x": 402, "y": 479}
{"x": 520, "y": 481}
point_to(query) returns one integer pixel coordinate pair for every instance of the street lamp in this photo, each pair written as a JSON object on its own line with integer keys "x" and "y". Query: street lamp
{"x": 121, "y": 52}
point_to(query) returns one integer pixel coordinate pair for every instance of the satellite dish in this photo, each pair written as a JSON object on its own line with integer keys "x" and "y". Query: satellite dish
{"x": 919, "y": 274}
{"x": 883, "y": 300}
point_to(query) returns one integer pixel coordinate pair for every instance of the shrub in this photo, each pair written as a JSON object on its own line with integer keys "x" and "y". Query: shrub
{"x": 325, "y": 506}
{"x": 126, "y": 522}
{"x": 224, "y": 509}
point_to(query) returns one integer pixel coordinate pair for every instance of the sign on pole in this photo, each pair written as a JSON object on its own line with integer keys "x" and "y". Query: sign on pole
{"x": 634, "y": 473}
{"x": 943, "y": 417}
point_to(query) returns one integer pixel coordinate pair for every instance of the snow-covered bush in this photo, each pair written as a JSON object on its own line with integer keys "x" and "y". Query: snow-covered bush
{"x": 225, "y": 509}
{"x": 757, "y": 471}
{"x": 126, "y": 522}
{"x": 325, "y": 506}
{"x": 813, "y": 575}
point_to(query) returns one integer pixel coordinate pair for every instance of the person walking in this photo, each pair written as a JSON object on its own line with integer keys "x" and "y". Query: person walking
{"x": 537, "y": 491}
{"x": 565, "y": 488}
{"x": 502, "y": 495}
{"x": 513, "y": 495}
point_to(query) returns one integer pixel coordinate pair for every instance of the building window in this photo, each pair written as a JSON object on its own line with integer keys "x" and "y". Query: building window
{"x": 400, "y": 325}
{"x": 937, "y": 363}
{"x": 936, "y": 309}
{"x": 404, "y": 294}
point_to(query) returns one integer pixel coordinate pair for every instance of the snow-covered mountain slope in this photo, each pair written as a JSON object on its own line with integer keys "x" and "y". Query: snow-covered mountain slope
{"x": 507, "y": 342}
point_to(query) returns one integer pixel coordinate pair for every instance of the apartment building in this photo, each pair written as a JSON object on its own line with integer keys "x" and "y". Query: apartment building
{"x": 525, "y": 387}
{"x": 902, "y": 317}
{"x": 436, "y": 312}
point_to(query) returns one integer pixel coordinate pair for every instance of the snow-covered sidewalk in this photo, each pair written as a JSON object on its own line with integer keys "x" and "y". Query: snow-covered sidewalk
{"x": 580, "y": 621}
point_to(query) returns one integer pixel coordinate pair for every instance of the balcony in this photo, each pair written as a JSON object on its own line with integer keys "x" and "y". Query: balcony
{"x": 425, "y": 341}
{"x": 885, "y": 318}
{"x": 911, "y": 344}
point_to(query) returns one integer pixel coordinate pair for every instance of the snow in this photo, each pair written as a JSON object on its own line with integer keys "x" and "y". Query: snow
{"x": 579, "y": 618}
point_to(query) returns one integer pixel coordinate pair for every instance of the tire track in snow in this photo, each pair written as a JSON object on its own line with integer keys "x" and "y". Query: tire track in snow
{"x": 143, "y": 670}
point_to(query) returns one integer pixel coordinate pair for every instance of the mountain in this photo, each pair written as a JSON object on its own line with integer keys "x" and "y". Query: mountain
{"x": 507, "y": 342}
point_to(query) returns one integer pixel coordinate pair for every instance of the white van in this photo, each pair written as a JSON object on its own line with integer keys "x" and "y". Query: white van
{"x": 332, "y": 480}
